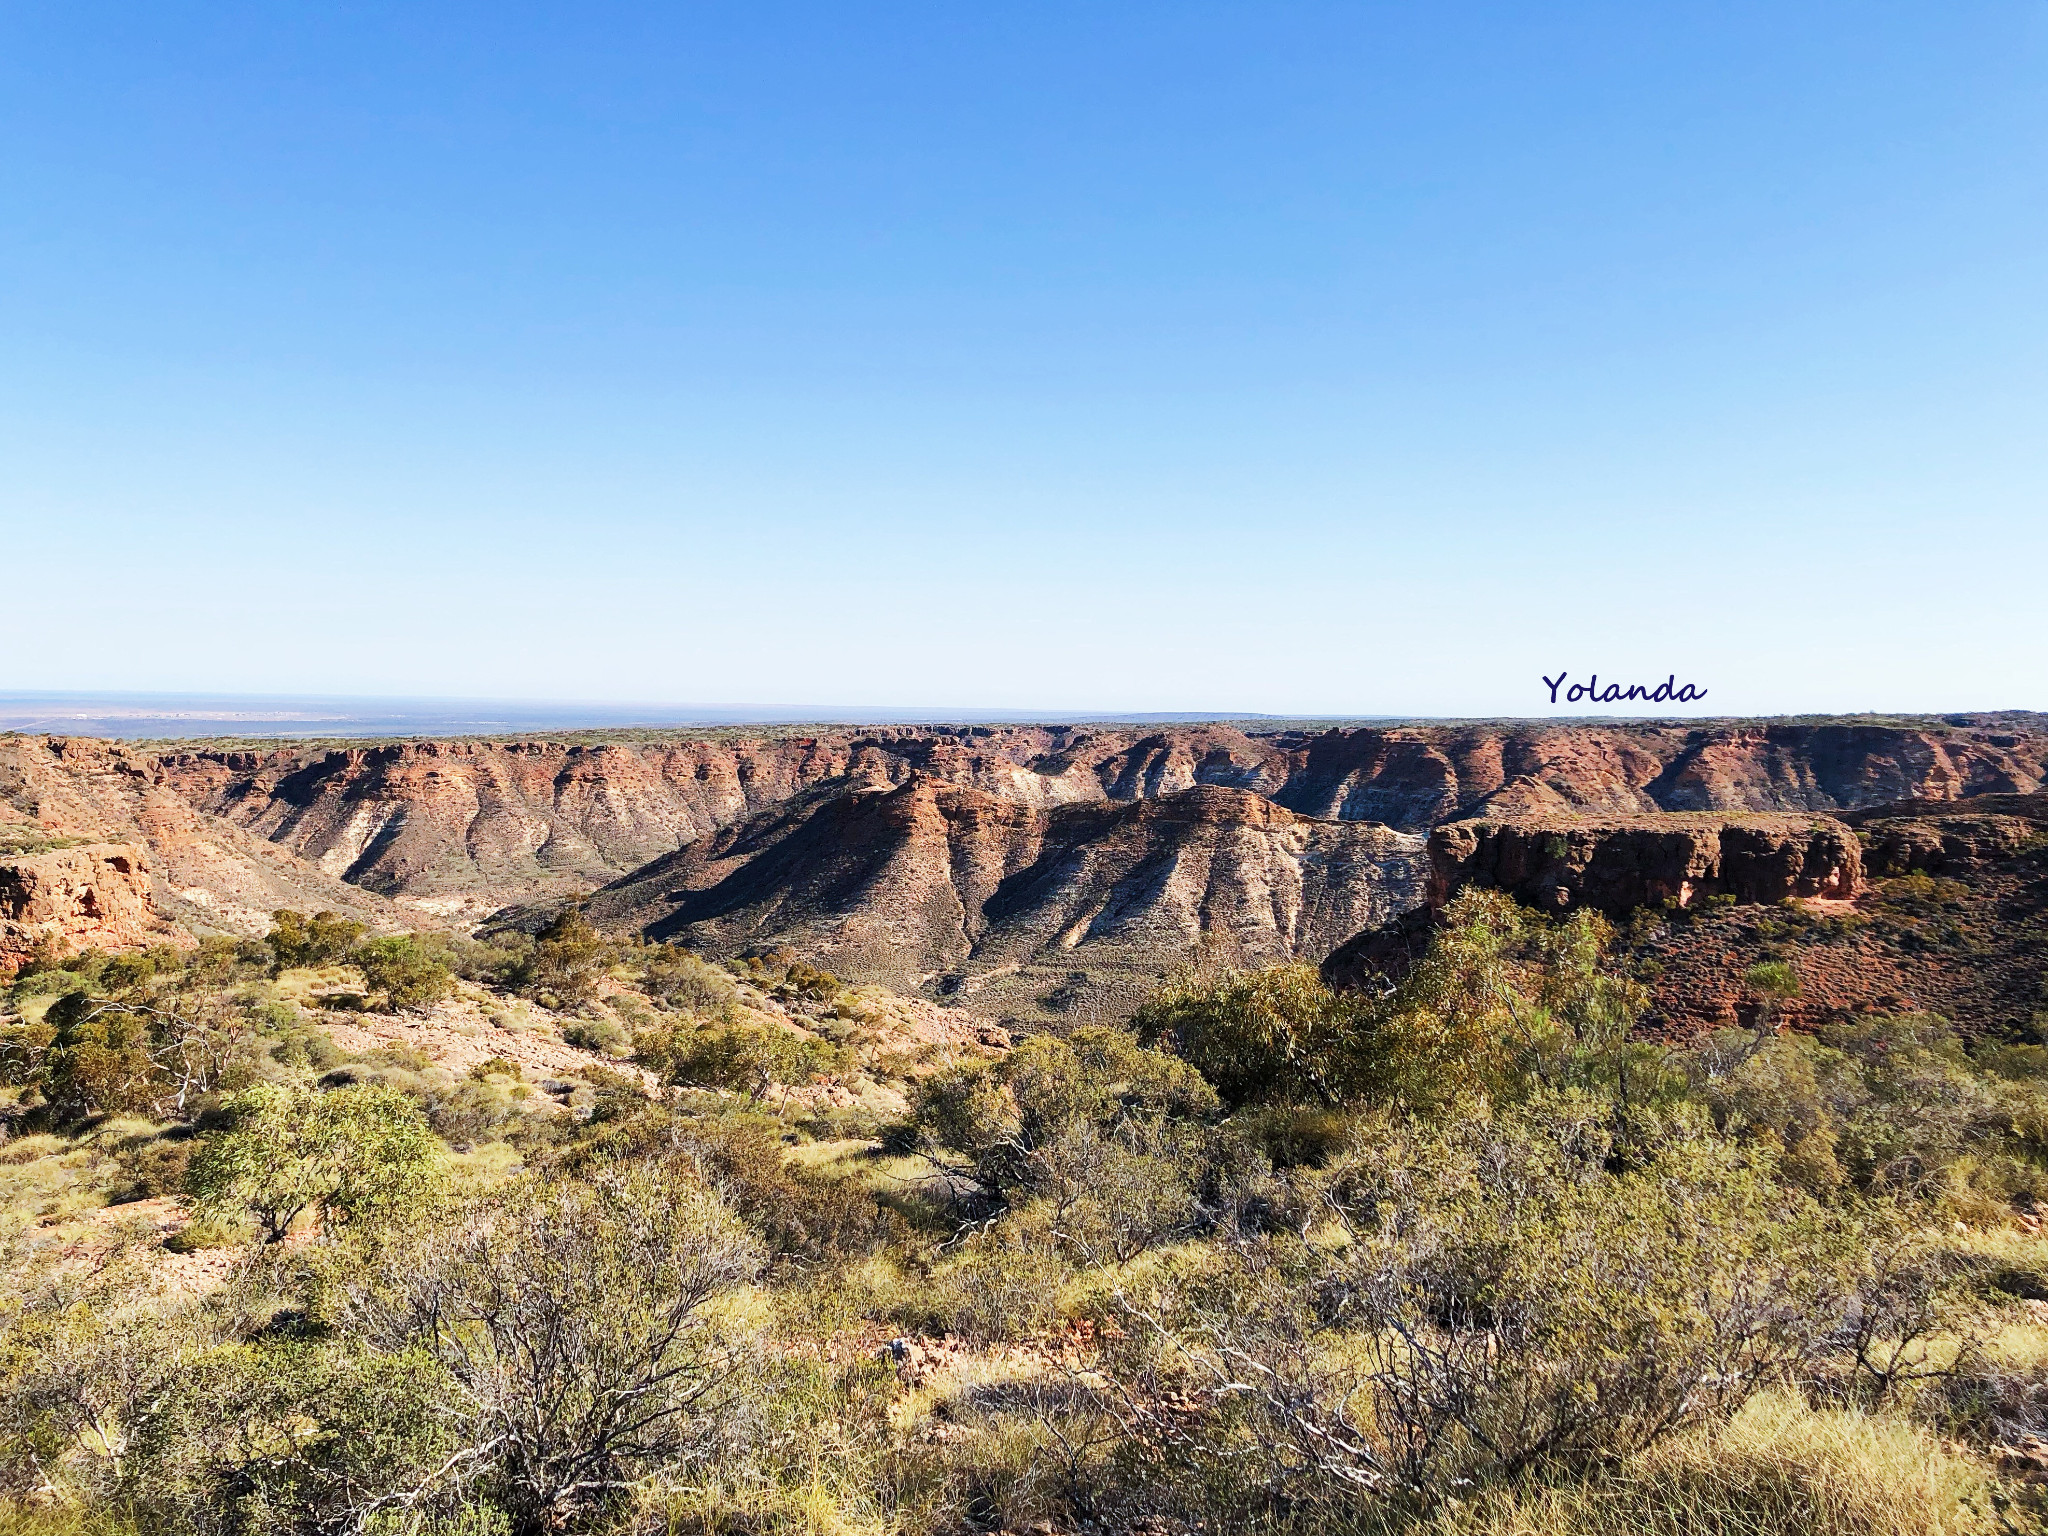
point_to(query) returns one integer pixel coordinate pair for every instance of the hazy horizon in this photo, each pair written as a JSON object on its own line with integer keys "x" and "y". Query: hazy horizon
{"x": 170, "y": 716}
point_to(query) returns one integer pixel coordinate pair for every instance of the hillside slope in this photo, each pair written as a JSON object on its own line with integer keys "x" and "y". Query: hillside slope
{"x": 161, "y": 868}
{"x": 1020, "y": 866}
{"x": 938, "y": 885}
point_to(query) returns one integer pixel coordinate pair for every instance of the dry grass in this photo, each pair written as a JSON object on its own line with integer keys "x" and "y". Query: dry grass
{"x": 1779, "y": 1469}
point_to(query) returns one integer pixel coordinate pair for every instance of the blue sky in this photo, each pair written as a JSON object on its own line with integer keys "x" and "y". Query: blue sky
{"x": 1285, "y": 357}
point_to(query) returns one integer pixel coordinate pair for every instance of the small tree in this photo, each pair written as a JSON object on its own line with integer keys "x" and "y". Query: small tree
{"x": 288, "y": 1150}
{"x": 142, "y": 1052}
{"x": 403, "y": 970}
{"x": 296, "y": 939}
{"x": 739, "y": 1057}
{"x": 1771, "y": 984}
{"x": 1274, "y": 1034}
{"x": 568, "y": 956}
{"x": 679, "y": 980}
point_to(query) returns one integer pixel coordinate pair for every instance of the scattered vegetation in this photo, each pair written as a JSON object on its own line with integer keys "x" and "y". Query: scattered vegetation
{"x": 1471, "y": 1256}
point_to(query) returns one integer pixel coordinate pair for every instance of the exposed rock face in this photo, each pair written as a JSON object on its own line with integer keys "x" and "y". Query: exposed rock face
{"x": 1618, "y": 864}
{"x": 1942, "y": 837}
{"x": 202, "y": 874}
{"x": 909, "y": 851}
{"x": 93, "y": 896}
{"x": 936, "y": 883}
{"x": 499, "y": 822}
{"x": 1612, "y": 865}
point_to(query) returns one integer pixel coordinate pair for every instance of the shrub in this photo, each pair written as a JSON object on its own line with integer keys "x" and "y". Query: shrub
{"x": 1491, "y": 1297}
{"x": 800, "y": 1215}
{"x": 1271, "y": 1035}
{"x": 149, "y": 1052}
{"x": 1112, "y": 1139}
{"x": 1502, "y": 1002}
{"x": 288, "y": 1150}
{"x": 568, "y": 958}
{"x": 297, "y": 940}
{"x": 744, "y": 1058}
{"x": 578, "y": 1322}
{"x": 404, "y": 971}
{"x": 601, "y": 1035}
{"x": 678, "y": 979}
{"x": 1003, "y": 1286}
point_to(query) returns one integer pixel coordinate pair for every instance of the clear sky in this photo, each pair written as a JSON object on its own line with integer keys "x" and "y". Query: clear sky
{"x": 1320, "y": 358}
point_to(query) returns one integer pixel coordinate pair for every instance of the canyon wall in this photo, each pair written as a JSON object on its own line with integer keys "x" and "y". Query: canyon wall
{"x": 1617, "y": 864}
{"x": 197, "y": 872}
{"x": 77, "y": 896}
{"x": 942, "y": 886}
{"x": 482, "y": 824}
{"x": 1032, "y": 861}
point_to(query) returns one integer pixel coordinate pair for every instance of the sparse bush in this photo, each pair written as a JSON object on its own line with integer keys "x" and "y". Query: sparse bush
{"x": 678, "y": 979}
{"x": 568, "y": 957}
{"x": 743, "y": 1058}
{"x": 577, "y": 1322}
{"x": 1110, "y": 1142}
{"x": 801, "y": 1216}
{"x": 1002, "y": 1286}
{"x": 1491, "y": 1299}
{"x": 602, "y": 1035}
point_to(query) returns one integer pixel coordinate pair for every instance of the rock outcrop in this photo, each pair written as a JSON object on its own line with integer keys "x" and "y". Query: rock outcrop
{"x": 1612, "y": 865}
{"x": 1617, "y": 864}
{"x": 1946, "y": 837}
{"x": 951, "y": 853}
{"x": 91, "y": 896}
{"x": 200, "y": 873}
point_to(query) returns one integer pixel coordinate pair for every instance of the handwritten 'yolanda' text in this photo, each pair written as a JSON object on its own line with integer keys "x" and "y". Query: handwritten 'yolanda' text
{"x": 1590, "y": 692}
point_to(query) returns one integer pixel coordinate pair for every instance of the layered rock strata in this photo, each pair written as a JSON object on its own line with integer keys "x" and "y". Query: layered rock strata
{"x": 935, "y": 884}
{"x": 1616, "y": 865}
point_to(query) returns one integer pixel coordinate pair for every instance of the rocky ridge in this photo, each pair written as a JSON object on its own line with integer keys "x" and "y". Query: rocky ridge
{"x": 943, "y": 886}
{"x": 1023, "y": 868}
{"x": 473, "y": 822}
{"x": 69, "y": 897}
{"x": 194, "y": 872}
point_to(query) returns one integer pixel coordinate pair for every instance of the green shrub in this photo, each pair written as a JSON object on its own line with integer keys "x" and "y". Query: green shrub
{"x": 287, "y": 1150}
{"x": 601, "y": 1035}
{"x": 298, "y": 940}
{"x": 1493, "y": 1297}
{"x": 404, "y": 971}
{"x": 1257, "y": 1036}
{"x": 568, "y": 957}
{"x": 678, "y": 979}
{"x": 1002, "y": 1286}
{"x": 1095, "y": 1116}
{"x": 745, "y": 1057}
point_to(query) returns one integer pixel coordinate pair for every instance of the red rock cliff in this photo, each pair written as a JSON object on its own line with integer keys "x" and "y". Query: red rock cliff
{"x": 1620, "y": 863}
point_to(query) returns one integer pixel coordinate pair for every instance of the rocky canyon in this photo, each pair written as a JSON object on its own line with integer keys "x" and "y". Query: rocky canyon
{"x": 1028, "y": 872}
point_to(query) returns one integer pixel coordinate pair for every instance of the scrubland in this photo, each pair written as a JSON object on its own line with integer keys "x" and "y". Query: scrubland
{"x": 404, "y": 1235}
